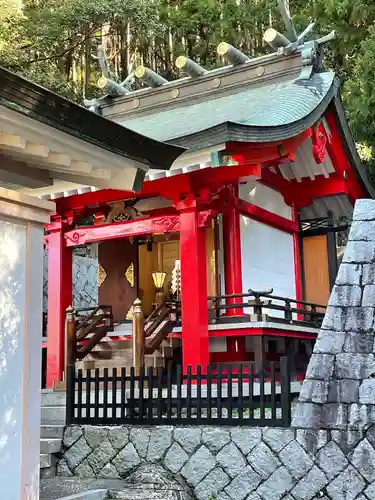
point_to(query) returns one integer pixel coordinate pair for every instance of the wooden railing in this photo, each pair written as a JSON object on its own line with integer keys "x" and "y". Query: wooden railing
{"x": 218, "y": 395}
{"x": 261, "y": 303}
{"x": 149, "y": 333}
{"x": 85, "y": 328}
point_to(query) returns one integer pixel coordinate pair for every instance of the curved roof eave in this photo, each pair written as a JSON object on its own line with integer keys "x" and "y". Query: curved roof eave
{"x": 350, "y": 147}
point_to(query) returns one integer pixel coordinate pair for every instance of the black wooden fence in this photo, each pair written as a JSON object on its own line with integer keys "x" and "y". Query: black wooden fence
{"x": 222, "y": 394}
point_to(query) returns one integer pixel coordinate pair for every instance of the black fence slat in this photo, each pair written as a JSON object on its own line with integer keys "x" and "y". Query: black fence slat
{"x": 179, "y": 381}
{"x": 171, "y": 396}
{"x": 240, "y": 392}
{"x": 114, "y": 394}
{"x": 159, "y": 401}
{"x": 169, "y": 391}
{"x": 141, "y": 392}
{"x": 105, "y": 393}
{"x": 188, "y": 390}
{"x": 96, "y": 394}
{"x": 132, "y": 392}
{"x": 262, "y": 407}
{"x": 286, "y": 411}
{"x": 199, "y": 391}
{"x": 230, "y": 392}
{"x": 209, "y": 392}
{"x": 123, "y": 393}
{"x": 150, "y": 383}
{"x": 251, "y": 391}
{"x": 219, "y": 392}
{"x": 273, "y": 391}
{"x": 79, "y": 395}
{"x": 71, "y": 393}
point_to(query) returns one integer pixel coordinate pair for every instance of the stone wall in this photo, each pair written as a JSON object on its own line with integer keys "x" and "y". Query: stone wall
{"x": 230, "y": 463}
{"x": 328, "y": 453}
{"x": 85, "y": 278}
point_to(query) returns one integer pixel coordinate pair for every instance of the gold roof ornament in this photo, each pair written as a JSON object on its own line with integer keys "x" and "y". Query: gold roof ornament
{"x": 129, "y": 314}
{"x": 101, "y": 275}
{"x": 129, "y": 275}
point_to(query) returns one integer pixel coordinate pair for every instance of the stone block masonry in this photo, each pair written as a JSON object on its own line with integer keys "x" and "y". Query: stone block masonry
{"x": 329, "y": 452}
{"x": 230, "y": 463}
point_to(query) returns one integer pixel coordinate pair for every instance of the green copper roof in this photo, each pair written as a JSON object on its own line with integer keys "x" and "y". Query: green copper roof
{"x": 259, "y": 114}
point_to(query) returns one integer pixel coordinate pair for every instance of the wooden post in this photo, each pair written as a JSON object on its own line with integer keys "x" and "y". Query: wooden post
{"x": 138, "y": 336}
{"x": 71, "y": 338}
{"x": 70, "y": 359}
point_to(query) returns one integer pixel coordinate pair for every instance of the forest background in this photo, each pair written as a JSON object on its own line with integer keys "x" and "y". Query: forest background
{"x": 54, "y": 42}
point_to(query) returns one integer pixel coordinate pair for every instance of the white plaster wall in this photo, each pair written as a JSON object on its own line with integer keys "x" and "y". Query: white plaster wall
{"x": 265, "y": 197}
{"x": 12, "y": 327}
{"x": 22, "y": 220}
{"x": 267, "y": 259}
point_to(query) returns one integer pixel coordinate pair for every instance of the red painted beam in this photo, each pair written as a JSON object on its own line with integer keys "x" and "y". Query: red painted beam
{"x": 140, "y": 227}
{"x": 170, "y": 187}
{"x": 266, "y": 217}
{"x": 302, "y": 194}
{"x": 267, "y": 151}
{"x": 275, "y": 181}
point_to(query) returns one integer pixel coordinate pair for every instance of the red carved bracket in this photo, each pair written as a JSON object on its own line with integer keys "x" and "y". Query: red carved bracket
{"x": 319, "y": 141}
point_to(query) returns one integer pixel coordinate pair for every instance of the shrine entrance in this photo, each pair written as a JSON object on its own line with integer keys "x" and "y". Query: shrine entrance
{"x": 118, "y": 276}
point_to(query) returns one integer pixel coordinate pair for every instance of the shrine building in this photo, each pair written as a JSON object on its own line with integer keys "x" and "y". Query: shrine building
{"x": 238, "y": 221}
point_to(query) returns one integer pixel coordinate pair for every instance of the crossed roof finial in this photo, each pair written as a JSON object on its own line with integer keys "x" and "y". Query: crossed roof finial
{"x": 291, "y": 42}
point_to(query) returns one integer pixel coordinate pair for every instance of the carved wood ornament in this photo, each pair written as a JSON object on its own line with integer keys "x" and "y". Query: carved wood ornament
{"x": 129, "y": 275}
{"x": 101, "y": 275}
{"x": 319, "y": 141}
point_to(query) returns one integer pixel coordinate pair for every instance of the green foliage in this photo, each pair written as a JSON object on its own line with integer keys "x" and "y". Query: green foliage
{"x": 53, "y": 42}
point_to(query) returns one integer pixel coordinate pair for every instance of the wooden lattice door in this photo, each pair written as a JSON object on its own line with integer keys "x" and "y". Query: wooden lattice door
{"x": 118, "y": 276}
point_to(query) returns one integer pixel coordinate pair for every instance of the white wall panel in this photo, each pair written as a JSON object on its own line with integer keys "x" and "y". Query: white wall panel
{"x": 267, "y": 258}
{"x": 266, "y": 198}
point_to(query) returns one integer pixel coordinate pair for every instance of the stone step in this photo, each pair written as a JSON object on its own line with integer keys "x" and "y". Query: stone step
{"x": 52, "y": 431}
{"x": 117, "y": 363}
{"x": 53, "y": 415}
{"x": 50, "y": 445}
{"x": 45, "y": 460}
{"x": 52, "y": 398}
{"x": 47, "y": 465}
{"x": 144, "y": 494}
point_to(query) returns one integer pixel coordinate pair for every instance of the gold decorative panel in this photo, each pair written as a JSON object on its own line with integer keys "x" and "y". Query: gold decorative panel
{"x": 101, "y": 275}
{"x": 129, "y": 275}
{"x": 129, "y": 315}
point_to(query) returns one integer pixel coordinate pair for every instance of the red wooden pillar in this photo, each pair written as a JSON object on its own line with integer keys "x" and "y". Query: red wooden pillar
{"x": 194, "y": 303}
{"x": 233, "y": 272}
{"x": 297, "y": 256}
{"x": 59, "y": 298}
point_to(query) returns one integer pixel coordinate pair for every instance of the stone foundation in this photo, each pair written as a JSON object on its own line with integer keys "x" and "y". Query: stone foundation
{"x": 231, "y": 463}
{"x": 329, "y": 453}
